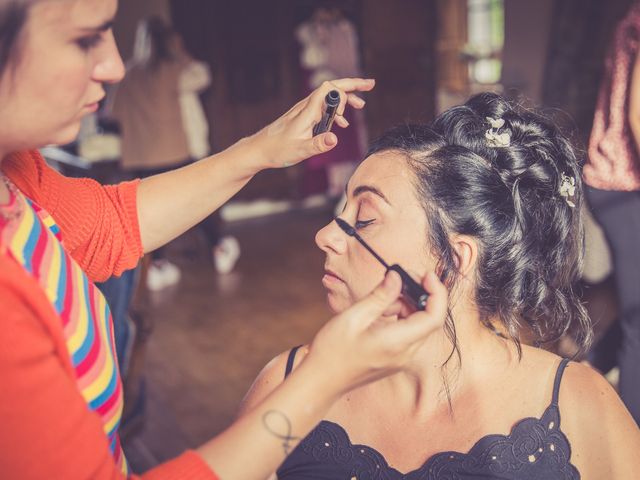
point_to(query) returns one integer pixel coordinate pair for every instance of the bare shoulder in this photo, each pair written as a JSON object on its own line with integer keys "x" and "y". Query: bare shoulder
{"x": 269, "y": 378}
{"x": 584, "y": 391}
{"x": 604, "y": 437}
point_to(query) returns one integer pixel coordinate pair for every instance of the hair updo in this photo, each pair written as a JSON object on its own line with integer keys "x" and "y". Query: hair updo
{"x": 508, "y": 197}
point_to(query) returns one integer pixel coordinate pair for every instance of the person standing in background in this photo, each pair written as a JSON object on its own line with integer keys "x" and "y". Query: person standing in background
{"x": 612, "y": 175}
{"x": 195, "y": 79}
{"x": 163, "y": 127}
{"x": 329, "y": 49}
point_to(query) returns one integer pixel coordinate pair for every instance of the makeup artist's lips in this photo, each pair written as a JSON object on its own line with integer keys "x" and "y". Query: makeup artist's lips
{"x": 330, "y": 279}
{"x": 93, "y": 106}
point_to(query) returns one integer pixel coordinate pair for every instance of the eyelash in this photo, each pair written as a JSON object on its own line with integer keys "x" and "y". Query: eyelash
{"x": 87, "y": 43}
{"x": 363, "y": 223}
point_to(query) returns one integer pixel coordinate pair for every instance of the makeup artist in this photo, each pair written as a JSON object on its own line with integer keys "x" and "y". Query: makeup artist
{"x": 61, "y": 396}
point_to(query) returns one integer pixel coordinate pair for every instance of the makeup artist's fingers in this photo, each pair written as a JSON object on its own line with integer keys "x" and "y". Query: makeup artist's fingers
{"x": 341, "y": 121}
{"x": 355, "y": 101}
{"x": 421, "y": 324}
{"x": 319, "y": 144}
{"x": 354, "y": 84}
{"x": 377, "y": 302}
{"x": 324, "y": 89}
{"x": 397, "y": 308}
{"x": 344, "y": 86}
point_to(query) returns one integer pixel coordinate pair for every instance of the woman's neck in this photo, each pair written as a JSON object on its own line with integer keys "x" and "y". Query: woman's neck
{"x": 482, "y": 356}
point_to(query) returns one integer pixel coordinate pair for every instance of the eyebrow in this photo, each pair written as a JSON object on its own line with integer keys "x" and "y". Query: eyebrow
{"x": 100, "y": 28}
{"x": 360, "y": 189}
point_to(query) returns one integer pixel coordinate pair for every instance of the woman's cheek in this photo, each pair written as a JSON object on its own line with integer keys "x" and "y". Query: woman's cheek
{"x": 339, "y": 301}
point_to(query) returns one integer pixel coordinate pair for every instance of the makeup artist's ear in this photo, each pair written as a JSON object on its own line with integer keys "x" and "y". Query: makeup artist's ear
{"x": 465, "y": 250}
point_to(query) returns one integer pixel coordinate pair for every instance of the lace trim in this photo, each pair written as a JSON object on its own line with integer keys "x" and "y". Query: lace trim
{"x": 532, "y": 444}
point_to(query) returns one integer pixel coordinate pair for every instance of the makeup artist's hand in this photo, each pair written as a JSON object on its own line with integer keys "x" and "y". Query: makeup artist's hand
{"x": 359, "y": 346}
{"x": 289, "y": 139}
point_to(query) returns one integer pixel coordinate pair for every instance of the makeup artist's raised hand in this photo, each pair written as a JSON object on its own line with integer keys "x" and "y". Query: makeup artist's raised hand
{"x": 360, "y": 346}
{"x": 289, "y": 139}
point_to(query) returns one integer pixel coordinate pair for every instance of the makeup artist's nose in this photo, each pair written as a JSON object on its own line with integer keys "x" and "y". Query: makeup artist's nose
{"x": 109, "y": 67}
{"x": 331, "y": 239}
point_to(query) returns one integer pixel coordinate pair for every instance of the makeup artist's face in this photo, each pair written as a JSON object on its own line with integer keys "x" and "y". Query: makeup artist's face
{"x": 65, "y": 53}
{"x": 382, "y": 205}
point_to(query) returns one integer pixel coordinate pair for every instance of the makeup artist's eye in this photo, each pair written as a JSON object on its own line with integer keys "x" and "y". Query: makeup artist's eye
{"x": 363, "y": 223}
{"x": 89, "y": 42}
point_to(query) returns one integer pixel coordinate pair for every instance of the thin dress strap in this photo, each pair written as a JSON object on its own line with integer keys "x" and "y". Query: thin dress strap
{"x": 556, "y": 383}
{"x": 290, "y": 360}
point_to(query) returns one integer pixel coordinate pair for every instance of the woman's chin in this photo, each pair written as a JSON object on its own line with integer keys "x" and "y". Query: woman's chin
{"x": 65, "y": 135}
{"x": 337, "y": 303}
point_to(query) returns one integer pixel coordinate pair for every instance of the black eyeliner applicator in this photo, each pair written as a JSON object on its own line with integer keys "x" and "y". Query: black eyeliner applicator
{"x": 411, "y": 289}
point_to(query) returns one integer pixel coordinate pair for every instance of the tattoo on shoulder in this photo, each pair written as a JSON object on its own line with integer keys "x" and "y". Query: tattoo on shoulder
{"x": 279, "y": 425}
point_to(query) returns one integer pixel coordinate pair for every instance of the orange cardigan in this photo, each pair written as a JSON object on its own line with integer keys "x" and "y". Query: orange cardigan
{"x": 46, "y": 429}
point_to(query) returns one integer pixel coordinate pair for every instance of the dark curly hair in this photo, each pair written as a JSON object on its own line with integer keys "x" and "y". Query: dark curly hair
{"x": 508, "y": 198}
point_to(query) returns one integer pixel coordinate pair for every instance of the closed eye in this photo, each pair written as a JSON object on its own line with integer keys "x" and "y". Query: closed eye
{"x": 363, "y": 223}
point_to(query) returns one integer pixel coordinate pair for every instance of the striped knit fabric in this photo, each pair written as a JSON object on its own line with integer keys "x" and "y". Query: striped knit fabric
{"x": 34, "y": 240}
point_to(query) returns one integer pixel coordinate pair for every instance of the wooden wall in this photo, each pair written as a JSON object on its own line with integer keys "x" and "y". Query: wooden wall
{"x": 252, "y": 51}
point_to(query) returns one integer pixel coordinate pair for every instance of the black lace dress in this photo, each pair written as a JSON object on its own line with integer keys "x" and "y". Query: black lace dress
{"x": 536, "y": 449}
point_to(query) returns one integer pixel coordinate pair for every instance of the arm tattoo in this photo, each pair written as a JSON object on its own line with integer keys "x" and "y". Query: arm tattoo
{"x": 279, "y": 425}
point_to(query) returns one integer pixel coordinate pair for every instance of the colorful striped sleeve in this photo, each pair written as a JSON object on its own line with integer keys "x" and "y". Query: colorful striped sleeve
{"x": 99, "y": 223}
{"x": 47, "y": 430}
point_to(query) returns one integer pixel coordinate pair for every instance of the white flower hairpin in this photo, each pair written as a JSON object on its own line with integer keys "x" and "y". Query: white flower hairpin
{"x": 494, "y": 137}
{"x": 568, "y": 189}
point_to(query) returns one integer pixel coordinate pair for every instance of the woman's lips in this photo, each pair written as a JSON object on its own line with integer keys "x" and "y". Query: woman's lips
{"x": 330, "y": 278}
{"x": 93, "y": 106}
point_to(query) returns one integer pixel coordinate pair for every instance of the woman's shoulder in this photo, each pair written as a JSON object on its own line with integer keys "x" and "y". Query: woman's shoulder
{"x": 603, "y": 435}
{"x": 580, "y": 386}
{"x": 272, "y": 375}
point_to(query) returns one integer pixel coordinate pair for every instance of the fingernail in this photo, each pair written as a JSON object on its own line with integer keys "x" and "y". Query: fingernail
{"x": 330, "y": 139}
{"x": 390, "y": 278}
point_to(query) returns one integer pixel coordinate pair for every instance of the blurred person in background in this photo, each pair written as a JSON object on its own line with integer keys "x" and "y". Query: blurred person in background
{"x": 163, "y": 127}
{"x": 612, "y": 175}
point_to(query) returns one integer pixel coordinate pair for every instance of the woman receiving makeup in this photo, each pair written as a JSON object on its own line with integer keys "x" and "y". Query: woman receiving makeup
{"x": 489, "y": 196}
{"x": 61, "y": 399}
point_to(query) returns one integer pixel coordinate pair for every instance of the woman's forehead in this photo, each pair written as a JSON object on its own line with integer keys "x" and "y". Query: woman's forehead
{"x": 78, "y": 14}
{"x": 388, "y": 171}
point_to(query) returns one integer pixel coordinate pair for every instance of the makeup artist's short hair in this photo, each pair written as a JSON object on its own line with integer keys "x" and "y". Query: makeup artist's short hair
{"x": 507, "y": 198}
{"x": 13, "y": 16}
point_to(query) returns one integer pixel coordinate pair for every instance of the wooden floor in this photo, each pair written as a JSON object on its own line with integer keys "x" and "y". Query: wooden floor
{"x": 212, "y": 334}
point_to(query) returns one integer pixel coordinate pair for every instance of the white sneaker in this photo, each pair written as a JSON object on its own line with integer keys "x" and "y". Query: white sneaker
{"x": 161, "y": 274}
{"x": 226, "y": 254}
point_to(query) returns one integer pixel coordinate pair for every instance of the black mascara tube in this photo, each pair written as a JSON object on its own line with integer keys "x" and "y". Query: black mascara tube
{"x": 411, "y": 289}
{"x": 331, "y": 102}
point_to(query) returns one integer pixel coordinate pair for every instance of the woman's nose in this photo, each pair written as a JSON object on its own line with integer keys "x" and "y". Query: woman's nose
{"x": 331, "y": 238}
{"x": 109, "y": 68}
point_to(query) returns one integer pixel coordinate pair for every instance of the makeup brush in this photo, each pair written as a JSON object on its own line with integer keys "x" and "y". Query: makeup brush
{"x": 411, "y": 289}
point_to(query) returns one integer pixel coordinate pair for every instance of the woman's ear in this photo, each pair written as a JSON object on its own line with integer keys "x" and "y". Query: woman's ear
{"x": 465, "y": 249}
